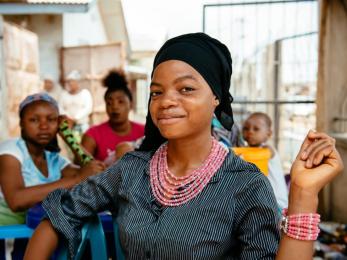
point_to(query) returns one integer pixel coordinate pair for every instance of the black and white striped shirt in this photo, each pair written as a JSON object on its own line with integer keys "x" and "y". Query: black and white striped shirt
{"x": 234, "y": 217}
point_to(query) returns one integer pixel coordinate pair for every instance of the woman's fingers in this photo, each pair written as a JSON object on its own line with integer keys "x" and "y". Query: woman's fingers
{"x": 318, "y": 154}
{"x": 306, "y": 143}
{"x": 312, "y": 141}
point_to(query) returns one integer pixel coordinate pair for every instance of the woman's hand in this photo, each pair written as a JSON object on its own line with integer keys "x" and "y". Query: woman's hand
{"x": 92, "y": 168}
{"x": 316, "y": 164}
{"x": 69, "y": 121}
{"x": 122, "y": 148}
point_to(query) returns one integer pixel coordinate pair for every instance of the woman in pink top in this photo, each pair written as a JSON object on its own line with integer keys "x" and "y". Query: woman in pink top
{"x": 101, "y": 140}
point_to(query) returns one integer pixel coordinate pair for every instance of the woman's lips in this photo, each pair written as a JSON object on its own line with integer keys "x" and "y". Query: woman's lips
{"x": 166, "y": 120}
{"x": 44, "y": 136}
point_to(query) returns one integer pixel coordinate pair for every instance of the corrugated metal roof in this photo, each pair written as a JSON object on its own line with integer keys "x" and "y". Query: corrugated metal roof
{"x": 73, "y": 2}
{"x": 79, "y": 2}
{"x": 13, "y": 7}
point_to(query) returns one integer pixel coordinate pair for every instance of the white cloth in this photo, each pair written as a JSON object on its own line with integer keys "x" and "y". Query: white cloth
{"x": 55, "y": 92}
{"x": 277, "y": 180}
{"x": 76, "y": 106}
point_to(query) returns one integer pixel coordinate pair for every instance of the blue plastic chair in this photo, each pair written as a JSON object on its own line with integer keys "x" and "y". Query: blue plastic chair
{"x": 15, "y": 231}
{"x": 93, "y": 232}
{"x": 119, "y": 251}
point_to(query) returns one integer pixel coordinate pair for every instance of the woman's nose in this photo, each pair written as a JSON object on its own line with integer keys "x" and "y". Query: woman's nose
{"x": 168, "y": 99}
{"x": 43, "y": 124}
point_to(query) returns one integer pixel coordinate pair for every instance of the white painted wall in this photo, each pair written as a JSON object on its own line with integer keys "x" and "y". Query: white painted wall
{"x": 84, "y": 29}
{"x": 50, "y": 34}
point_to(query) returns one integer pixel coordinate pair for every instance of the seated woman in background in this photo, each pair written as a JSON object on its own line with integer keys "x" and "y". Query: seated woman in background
{"x": 30, "y": 166}
{"x": 101, "y": 140}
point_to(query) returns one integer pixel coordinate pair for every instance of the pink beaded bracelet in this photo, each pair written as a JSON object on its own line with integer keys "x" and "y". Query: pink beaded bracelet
{"x": 300, "y": 226}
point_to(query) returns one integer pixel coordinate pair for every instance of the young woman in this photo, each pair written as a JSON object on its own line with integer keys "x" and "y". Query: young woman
{"x": 30, "y": 167}
{"x": 183, "y": 196}
{"x": 101, "y": 140}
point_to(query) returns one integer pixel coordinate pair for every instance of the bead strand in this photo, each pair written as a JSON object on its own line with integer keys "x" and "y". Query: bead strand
{"x": 300, "y": 226}
{"x": 171, "y": 190}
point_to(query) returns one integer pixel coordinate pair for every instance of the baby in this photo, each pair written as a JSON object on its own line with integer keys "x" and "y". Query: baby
{"x": 257, "y": 131}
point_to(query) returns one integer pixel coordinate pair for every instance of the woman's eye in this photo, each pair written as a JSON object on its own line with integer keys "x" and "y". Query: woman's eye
{"x": 33, "y": 120}
{"x": 155, "y": 93}
{"x": 187, "y": 89}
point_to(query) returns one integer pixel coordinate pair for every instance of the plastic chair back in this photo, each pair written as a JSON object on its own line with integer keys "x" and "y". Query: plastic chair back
{"x": 15, "y": 231}
{"x": 93, "y": 232}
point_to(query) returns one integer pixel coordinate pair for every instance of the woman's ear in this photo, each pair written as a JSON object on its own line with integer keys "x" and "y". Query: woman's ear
{"x": 216, "y": 100}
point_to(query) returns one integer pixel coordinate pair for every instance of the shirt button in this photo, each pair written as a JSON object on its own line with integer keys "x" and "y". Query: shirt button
{"x": 148, "y": 254}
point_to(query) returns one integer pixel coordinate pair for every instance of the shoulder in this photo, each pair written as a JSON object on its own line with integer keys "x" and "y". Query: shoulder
{"x": 141, "y": 156}
{"x": 135, "y": 160}
{"x": 249, "y": 185}
{"x": 85, "y": 92}
{"x": 11, "y": 147}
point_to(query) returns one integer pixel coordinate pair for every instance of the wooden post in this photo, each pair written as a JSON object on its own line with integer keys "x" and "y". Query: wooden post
{"x": 331, "y": 98}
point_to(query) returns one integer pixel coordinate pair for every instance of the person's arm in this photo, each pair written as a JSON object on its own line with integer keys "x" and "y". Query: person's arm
{"x": 317, "y": 163}
{"x": 256, "y": 218}
{"x": 67, "y": 210}
{"x": 89, "y": 144}
{"x": 19, "y": 197}
{"x": 123, "y": 148}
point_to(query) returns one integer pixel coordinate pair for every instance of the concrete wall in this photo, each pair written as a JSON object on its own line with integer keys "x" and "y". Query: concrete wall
{"x": 50, "y": 34}
{"x": 3, "y": 89}
{"x": 331, "y": 98}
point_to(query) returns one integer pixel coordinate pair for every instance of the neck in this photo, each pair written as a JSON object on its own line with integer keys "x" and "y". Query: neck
{"x": 35, "y": 150}
{"x": 122, "y": 128}
{"x": 183, "y": 156}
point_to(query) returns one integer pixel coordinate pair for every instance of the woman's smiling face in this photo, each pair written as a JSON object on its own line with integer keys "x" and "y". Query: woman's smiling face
{"x": 182, "y": 103}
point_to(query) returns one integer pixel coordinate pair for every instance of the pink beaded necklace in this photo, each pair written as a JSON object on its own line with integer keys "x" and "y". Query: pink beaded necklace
{"x": 171, "y": 190}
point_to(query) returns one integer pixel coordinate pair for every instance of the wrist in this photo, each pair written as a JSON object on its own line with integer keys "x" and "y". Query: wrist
{"x": 77, "y": 179}
{"x": 302, "y": 201}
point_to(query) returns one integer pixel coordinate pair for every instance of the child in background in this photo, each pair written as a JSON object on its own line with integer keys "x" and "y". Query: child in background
{"x": 256, "y": 132}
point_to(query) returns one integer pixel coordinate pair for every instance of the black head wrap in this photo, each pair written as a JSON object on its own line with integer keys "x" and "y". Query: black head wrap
{"x": 212, "y": 60}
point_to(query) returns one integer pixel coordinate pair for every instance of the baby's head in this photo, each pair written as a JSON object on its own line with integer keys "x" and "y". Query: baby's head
{"x": 256, "y": 129}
